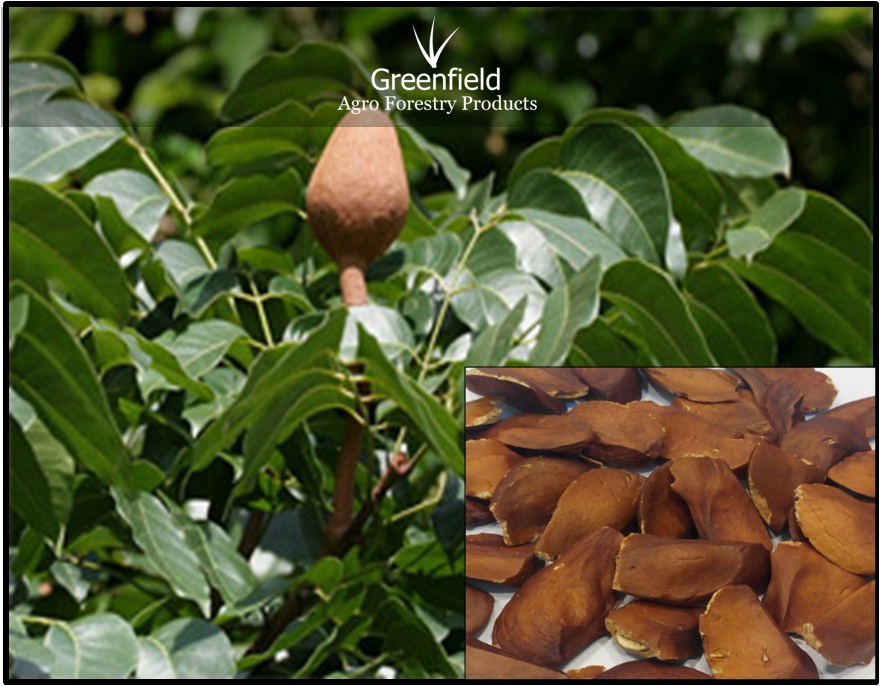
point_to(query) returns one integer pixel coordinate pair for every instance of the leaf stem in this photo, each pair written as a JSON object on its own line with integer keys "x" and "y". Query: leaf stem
{"x": 261, "y": 312}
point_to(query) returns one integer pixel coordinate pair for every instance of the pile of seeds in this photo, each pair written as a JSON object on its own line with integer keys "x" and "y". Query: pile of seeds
{"x": 671, "y": 507}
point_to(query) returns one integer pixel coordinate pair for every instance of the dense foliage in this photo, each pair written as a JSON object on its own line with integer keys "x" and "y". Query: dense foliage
{"x": 181, "y": 370}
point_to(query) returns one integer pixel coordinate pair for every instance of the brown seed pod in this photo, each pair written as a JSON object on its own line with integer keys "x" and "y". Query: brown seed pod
{"x": 817, "y": 389}
{"x": 839, "y": 526}
{"x": 358, "y": 197}
{"x": 858, "y": 473}
{"x": 654, "y": 630}
{"x": 661, "y": 511}
{"x": 561, "y": 609}
{"x": 621, "y": 436}
{"x": 487, "y": 558}
{"x": 481, "y": 412}
{"x": 525, "y": 498}
{"x": 601, "y": 497}
{"x": 703, "y": 385}
{"x": 565, "y": 432}
{"x": 774, "y": 473}
{"x": 516, "y": 391}
{"x": 741, "y": 640}
{"x": 483, "y": 661}
{"x": 804, "y": 585}
{"x": 687, "y": 572}
{"x": 477, "y": 512}
{"x": 824, "y": 440}
{"x": 478, "y": 608}
{"x": 862, "y": 412}
{"x": 652, "y": 670}
{"x": 720, "y": 507}
{"x": 847, "y": 633}
{"x": 742, "y": 418}
{"x": 487, "y": 461}
{"x": 617, "y": 384}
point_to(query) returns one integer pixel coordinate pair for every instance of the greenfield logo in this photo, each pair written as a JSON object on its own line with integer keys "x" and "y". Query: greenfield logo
{"x": 431, "y": 56}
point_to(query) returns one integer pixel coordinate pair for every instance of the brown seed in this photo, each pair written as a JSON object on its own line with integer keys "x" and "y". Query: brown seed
{"x": 653, "y": 630}
{"x": 621, "y": 436}
{"x": 817, "y": 389}
{"x": 703, "y": 385}
{"x": 637, "y": 670}
{"x": 862, "y": 412}
{"x": 687, "y": 572}
{"x": 525, "y": 498}
{"x": 839, "y": 526}
{"x": 488, "y": 558}
{"x": 661, "y": 511}
{"x": 477, "y": 512}
{"x": 481, "y": 412}
{"x": 565, "y": 432}
{"x": 617, "y": 384}
{"x": 720, "y": 507}
{"x": 741, "y": 640}
{"x": 847, "y": 634}
{"x": 555, "y": 382}
{"x": 741, "y": 418}
{"x": 782, "y": 402}
{"x": 515, "y": 391}
{"x": 487, "y": 461}
{"x": 824, "y": 440}
{"x": 562, "y": 608}
{"x": 804, "y": 585}
{"x": 358, "y": 196}
{"x": 483, "y": 661}
{"x": 773, "y": 475}
{"x": 478, "y": 608}
{"x": 601, "y": 497}
{"x": 858, "y": 473}
{"x": 588, "y": 672}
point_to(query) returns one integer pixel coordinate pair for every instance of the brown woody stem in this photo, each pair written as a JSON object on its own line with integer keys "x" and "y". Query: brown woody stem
{"x": 343, "y": 492}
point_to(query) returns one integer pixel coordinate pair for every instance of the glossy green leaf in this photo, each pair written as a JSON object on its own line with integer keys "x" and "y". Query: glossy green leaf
{"x": 435, "y": 254}
{"x": 164, "y": 544}
{"x": 623, "y": 187}
{"x": 569, "y": 308}
{"x": 492, "y": 346}
{"x": 457, "y": 176}
{"x": 33, "y": 82}
{"x": 405, "y": 634}
{"x": 306, "y": 73}
{"x": 28, "y": 487}
{"x": 185, "y": 649}
{"x": 17, "y": 316}
{"x": 140, "y": 204}
{"x": 245, "y": 201}
{"x": 31, "y": 659}
{"x": 59, "y": 137}
{"x": 542, "y": 155}
{"x": 57, "y": 466}
{"x": 774, "y": 216}
{"x": 99, "y": 646}
{"x": 429, "y": 418}
{"x": 385, "y": 324}
{"x": 542, "y": 189}
{"x": 49, "y": 368}
{"x": 653, "y": 302}
{"x": 52, "y": 242}
{"x": 733, "y": 140}
{"x": 486, "y": 299}
{"x": 599, "y": 345}
{"x": 202, "y": 345}
{"x": 736, "y": 327}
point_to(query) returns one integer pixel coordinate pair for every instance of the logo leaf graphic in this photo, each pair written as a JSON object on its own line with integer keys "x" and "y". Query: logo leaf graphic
{"x": 431, "y": 56}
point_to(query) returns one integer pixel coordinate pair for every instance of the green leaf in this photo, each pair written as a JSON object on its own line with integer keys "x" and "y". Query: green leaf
{"x": 277, "y": 379}
{"x": 457, "y": 176}
{"x": 138, "y": 202}
{"x": 407, "y": 636}
{"x": 542, "y": 155}
{"x": 493, "y": 344}
{"x": 774, "y": 216}
{"x": 489, "y": 296}
{"x": 437, "y": 253}
{"x": 245, "y": 201}
{"x": 306, "y": 73}
{"x": 569, "y": 308}
{"x": 733, "y": 140}
{"x": 164, "y": 544}
{"x": 18, "y": 314}
{"x": 386, "y": 325}
{"x": 651, "y": 300}
{"x": 51, "y": 371}
{"x": 52, "y": 242}
{"x": 59, "y": 137}
{"x": 599, "y": 346}
{"x": 185, "y": 649}
{"x": 28, "y": 487}
{"x": 736, "y": 327}
{"x": 33, "y": 82}
{"x": 57, "y": 466}
{"x": 542, "y": 189}
{"x": 202, "y": 345}
{"x": 429, "y": 418}
{"x": 32, "y": 659}
{"x": 99, "y": 646}
{"x": 623, "y": 187}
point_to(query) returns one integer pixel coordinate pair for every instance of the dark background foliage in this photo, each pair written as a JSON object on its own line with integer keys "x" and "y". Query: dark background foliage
{"x": 808, "y": 69}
